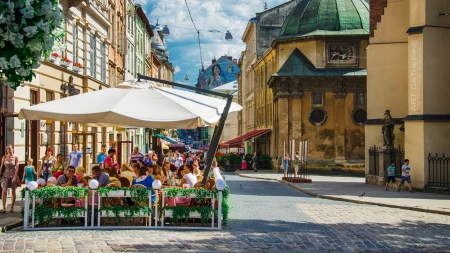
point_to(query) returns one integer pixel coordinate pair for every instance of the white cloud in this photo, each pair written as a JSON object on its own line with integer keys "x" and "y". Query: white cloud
{"x": 219, "y": 15}
{"x": 177, "y": 69}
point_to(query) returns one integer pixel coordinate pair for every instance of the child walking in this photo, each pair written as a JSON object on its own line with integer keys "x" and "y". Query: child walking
{"x": 391, "y": 175}
{"x": 29, "y": 172}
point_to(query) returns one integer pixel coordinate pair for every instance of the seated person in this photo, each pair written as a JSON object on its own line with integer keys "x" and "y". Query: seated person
{"x": 68, "y": 178}
{"x": 135, "y": 169}
{"x": 202, "y": 165}
{"x": 102, "y": 178}
{"x": 126, "y": 171}
{"x": 197, "y": 171}
{"x": 188, "y": 176}
{"x": 147, "y": 160}
{"x": 157, "y": 174}
{"x": 110, "y": 166}
{"x": 79, "y": 174}
{"x": 145, "y": 180}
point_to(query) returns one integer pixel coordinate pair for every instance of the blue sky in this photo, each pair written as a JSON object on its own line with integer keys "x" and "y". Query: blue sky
{"x": 219, "y": 15}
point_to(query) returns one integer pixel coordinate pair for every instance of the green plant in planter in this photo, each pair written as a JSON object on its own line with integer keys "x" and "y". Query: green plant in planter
{"x": 139, "y": 195}
{"x": 183, "y": 212}
{"x": 201, "y": 193}
{"x": 43, "y": 213}
{"x": 186, "y": 192}
{"x": 128, "y": 211}
{"x": 62, "y": 192}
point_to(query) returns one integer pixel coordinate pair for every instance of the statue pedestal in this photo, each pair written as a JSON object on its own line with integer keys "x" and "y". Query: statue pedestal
{"x": 384, "y": 160}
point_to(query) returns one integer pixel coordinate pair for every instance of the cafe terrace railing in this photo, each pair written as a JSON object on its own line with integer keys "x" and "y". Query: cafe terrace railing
{"x": 91, "y": 209}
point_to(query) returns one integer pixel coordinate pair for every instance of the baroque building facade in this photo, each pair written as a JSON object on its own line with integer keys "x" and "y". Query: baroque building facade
{"x": 310, "y": 84}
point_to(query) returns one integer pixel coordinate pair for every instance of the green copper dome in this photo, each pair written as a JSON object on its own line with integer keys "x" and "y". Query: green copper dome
{"x": 327, "y": 17}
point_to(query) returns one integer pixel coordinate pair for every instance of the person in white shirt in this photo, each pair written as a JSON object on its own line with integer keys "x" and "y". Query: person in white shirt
{"x": 178, "y": 161}
{"x": 188, "y": 176}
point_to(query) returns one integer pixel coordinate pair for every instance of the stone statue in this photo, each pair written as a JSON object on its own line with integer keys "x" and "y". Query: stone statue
{"x": 388, "y": 130}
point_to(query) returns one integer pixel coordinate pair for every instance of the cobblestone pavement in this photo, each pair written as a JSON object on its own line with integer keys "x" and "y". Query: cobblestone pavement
{"x": 265, "y": 216}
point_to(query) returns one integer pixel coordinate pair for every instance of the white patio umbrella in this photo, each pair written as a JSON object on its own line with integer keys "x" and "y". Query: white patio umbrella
{"x": 143, "y": 104}
{"x": 228, "y": 88}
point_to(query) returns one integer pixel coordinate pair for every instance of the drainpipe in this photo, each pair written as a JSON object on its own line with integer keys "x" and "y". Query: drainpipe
{"x": 264, "y": 88}
{"x": 254, "y": 97}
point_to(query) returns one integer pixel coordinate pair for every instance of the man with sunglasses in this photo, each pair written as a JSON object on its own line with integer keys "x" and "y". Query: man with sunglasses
{"x": 68, "y": 178}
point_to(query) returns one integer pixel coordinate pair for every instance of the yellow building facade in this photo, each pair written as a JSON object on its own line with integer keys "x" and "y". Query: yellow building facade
{"x": 310, "y": 84}
{"x": 407, "y": 74}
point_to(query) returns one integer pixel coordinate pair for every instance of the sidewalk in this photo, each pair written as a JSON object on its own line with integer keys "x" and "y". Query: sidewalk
{"x": 344, "y": 188}
{"x": 11, "y": 220}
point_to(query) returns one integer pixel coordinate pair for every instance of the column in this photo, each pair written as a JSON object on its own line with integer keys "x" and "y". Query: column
{"x": 339, "y": 126}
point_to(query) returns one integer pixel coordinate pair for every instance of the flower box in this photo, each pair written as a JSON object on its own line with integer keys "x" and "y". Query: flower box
{"x": 64, "y": 64}
{"x": 76, "y": 69}
{"x": 53, "y": 59}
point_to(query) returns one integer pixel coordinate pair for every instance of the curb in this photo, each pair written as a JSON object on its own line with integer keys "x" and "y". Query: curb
{"x": 10, "y": 227}
{"x": 346, "y": 200}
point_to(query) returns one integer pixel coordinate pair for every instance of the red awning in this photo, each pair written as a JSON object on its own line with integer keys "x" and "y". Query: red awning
{"x": 252, "y": 134}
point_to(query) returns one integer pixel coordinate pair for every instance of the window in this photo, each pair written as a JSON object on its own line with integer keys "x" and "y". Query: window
{"x": 33, "y": 97}
{"x": 360, "y": 99}
{"x": 317, "y": 99}
{"x": 48, "y": 96}
{"x": 317, "y": 116}
{"x": 359, "y": 116}
{"x": 102, "y": 62}
{"x": 74, "y": 43}
{"x": 92, "y": 56}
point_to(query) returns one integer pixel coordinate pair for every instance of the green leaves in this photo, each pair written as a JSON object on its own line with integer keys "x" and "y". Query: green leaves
{"x": 44, "y": 213}
{"x": 183, "y": 212}
{"x": 61, "y": 192}
{"x": 128, "y": 211}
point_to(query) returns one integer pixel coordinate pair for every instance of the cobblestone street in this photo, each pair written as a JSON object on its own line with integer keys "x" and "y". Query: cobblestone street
{"x": 264, "y": 216}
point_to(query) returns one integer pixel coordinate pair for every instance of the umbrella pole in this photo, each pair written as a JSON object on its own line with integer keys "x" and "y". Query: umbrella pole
{"x": 217, "y": 130}
{"x": 215, "y": 140}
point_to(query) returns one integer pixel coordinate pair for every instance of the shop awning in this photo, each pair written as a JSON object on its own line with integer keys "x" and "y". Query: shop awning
{"x": 177, "y": 145}
{"x": 172, "y": 141}
{"x": 249, "y": 135}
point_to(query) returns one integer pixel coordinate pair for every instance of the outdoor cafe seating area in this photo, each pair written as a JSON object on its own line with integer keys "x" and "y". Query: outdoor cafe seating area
{"x": 53, "y": 207}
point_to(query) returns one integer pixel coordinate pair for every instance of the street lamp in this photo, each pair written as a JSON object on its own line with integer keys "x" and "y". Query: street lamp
{"x": 228, "y": 36}
{"x": 186, "y": 78}
{"x": 165, "y": 31}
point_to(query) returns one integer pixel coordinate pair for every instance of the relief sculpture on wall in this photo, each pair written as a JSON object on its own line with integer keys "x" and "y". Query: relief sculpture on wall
{"x": 342, "y": 54}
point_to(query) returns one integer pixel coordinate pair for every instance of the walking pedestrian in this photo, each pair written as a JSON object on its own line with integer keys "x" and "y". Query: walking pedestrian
{"x": 406, "y": 176}
{"x": 29, "y": 172}
{"x": 9, "y": 179}
{"x": 75, "y": 157}
{"x": 255, "y": 162}
{"x": 296, "y": 163}
{"x": 47, "y": 162}
{"x": 391, "y": 175}
{"x": 102, "y": 155}
{"x": 286, "y": 164}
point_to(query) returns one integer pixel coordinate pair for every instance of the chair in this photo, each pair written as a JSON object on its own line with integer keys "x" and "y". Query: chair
{"x": 115, "y": 182}
{"x": 125, "y": 182}
{"x": 143, "y": 203}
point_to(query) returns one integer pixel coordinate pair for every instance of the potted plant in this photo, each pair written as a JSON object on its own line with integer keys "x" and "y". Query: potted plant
{"x": 65, "y": 62}
{"x": 77, "y": 67}
{"x": 54, "y": 57}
